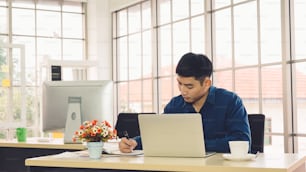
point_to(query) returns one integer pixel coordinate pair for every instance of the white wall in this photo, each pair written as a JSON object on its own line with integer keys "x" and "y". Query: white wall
{"x": 118, "y": 4}
{"x": 99, "y": 38}
{"x": 99, "y": 27}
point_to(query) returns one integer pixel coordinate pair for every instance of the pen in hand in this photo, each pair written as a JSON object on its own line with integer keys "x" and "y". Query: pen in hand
{"x": 126, "y": 134}
{"x": 129, "y": 143}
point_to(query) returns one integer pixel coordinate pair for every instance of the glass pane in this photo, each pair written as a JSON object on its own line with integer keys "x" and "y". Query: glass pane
{"x": 29, "y": 43}
{"x": 165, "y": 60}
{"x": 3, "y": 3}
{"x": 223, "y": 39}
{"x": 135, "y": 93}
{"x": 220, "y": 3}
{"x": 23, "y": 3}
{"x": 31, "y": 76}
{"x": 302, "y": 145}
{"x": 48, "y": 4}
{"x": 4, "y": 111}
{"x": 3, "y": 39}
{"x": 122, "y": 23}
{"x": 49, "y": 24}
{"x": 181, "y": 40}
{"x": 164, "y": 12}
{"x": 4, "y": 132}
{"x": 123, "y": 97}
{"x": 73, "y": 49}
{"x": 148, "y": 105}
{"x": 22, "y": 18}
{"x": 299, "y": 29}
{"x": 30, "y": 61}
{"x": 134, "y": 19}
{"x": 146, "y": 15}
{"x": 165, "y": 92}
{"x": 72, "y": 25}
{"x": 4, "y": 65}
{"x": 135, "y": 58}
{"x": 175, "y": 88}
{"x": 181, "y": 9}
{"x": 246, "y": 86}
{"x": 49, "y": 48}
{"x": 197, "y": 7}
{"x": 114, "y": 30}
{"x": 17, "y": 67}
{"x": 223, "y": 79}
{"x": 274, "y": 144}
{"x": 17, "y": 102}
{"x": 147, "y": 61}
{"x": 197, "y": 34}
{"x": 237, "y": 1}
{"x": 272, "y": 95}
{"x": 270, "y": 22}
{"x": 70, "y": 6}
{"x": 246, "y": 49}
{"x": 122, "y": 65}
{"x": 3, "y": 20}
{"x": 300, "y": 78}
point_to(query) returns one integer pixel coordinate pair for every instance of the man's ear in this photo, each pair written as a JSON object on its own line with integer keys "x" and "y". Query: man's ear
{"x": 207, "y": 82}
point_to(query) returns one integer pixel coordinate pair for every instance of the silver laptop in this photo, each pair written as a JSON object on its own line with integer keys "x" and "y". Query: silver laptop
{"x": 172, "y": 135}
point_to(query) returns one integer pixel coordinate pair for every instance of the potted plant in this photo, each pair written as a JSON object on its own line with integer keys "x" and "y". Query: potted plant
{"x": 95, "y": 133}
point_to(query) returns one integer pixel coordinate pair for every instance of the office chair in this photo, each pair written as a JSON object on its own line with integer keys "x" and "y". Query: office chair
{"x": 128, "y": 122}
{"x": 257, "y": 126}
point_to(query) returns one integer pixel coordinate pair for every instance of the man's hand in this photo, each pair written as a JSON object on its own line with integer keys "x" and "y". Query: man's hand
{"x": 127, "y": 145}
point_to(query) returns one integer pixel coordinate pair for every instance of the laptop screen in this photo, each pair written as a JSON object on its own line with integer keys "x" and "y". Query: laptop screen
{"x": 172, "y": 135}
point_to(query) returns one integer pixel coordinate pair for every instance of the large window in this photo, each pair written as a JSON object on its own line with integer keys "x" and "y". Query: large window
{"x": 256, "y": 48}
{"x": 50, "y": 30}
{"x": 134, "y": 51}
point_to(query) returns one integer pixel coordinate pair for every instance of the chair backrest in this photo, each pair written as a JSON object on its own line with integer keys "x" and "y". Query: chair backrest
{"x": 257, "y": 125}
{"x": 128, "y": 122}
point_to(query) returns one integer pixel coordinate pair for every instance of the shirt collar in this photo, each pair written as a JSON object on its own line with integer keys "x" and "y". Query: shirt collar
{"x": 211, "y": 98}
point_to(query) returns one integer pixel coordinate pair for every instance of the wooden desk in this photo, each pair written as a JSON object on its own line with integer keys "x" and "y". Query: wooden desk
{"x": 13, "y": 154}
{"x": 264, "y": 162}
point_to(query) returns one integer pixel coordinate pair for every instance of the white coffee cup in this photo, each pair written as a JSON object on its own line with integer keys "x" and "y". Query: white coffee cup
{"x": 239, "y": 149}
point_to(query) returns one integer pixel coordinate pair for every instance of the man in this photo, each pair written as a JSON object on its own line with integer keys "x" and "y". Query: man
{"x": 223, "y": 113}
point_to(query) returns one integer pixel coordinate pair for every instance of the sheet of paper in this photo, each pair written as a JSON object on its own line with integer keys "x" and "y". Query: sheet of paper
{"x": 135, "y": 152}
{"x": 70, "y": 154}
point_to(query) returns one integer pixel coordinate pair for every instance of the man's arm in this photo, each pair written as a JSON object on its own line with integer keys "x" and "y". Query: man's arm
{"x": 236, "y": 125}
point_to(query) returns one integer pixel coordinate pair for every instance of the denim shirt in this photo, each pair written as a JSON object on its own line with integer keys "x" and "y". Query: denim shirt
{"x": 224, "y": 118}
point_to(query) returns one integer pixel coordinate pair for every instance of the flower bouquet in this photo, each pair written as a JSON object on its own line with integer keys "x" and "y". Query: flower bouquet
{"x": 95, "y": 131}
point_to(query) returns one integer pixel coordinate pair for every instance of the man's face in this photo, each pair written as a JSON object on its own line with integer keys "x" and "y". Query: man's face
{"x": 191, "y": 89}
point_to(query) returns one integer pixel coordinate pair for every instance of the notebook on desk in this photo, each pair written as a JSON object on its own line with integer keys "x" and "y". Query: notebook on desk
{"x": 172, "y": 135}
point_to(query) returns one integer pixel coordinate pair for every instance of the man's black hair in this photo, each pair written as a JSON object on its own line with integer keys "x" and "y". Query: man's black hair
{"x": 194, "y": 65}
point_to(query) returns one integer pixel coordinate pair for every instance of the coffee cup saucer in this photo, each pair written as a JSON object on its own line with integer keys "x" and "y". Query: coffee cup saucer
{"x": 248, "y": 157}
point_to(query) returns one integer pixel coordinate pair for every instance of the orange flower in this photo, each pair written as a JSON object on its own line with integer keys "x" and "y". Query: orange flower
{"x": 94, "y": 131}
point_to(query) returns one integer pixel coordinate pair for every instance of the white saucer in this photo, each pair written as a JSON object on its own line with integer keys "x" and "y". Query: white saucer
{"x": 246, "y": 158}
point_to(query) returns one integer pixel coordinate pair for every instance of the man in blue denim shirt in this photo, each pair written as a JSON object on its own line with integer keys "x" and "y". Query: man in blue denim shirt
{"x": 223, "y": 113}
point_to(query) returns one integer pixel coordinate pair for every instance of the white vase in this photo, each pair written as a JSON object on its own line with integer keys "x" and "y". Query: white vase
{"x": 95, "y": 149}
